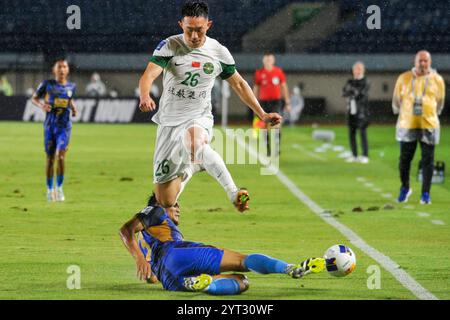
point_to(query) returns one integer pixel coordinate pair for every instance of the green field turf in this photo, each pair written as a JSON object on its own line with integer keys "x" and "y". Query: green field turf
{"x": 39, "y": 240}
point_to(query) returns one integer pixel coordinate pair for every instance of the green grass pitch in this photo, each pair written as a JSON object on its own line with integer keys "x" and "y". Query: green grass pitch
{"x": 40, "y": 240}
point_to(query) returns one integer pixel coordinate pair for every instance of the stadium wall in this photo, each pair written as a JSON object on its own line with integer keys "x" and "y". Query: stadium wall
{"x": 119, "y": 110}
{"x": 319, "y": 76}
{"x": 325, "y": 86}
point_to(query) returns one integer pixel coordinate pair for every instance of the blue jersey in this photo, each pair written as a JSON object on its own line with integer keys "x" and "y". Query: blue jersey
{"x": 58, "y": 96}
{"x": 171, "y": 258}
{"x": 159, "y": 235}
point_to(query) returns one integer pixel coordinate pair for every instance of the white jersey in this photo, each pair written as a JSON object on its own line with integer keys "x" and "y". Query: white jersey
{"x": 188, "y": 78}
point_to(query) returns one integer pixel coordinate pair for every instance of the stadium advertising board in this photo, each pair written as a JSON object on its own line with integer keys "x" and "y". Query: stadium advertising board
{"x": 89, "y": 110}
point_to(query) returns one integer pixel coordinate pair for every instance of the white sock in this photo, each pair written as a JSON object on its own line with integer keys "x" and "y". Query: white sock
{"x": 214, "y": 165}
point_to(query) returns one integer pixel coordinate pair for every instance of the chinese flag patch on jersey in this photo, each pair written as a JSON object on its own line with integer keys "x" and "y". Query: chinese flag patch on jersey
{"x": 196, "y": 64}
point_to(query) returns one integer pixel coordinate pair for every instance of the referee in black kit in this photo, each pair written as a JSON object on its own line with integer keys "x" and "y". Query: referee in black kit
{"x": 356, "y": 91}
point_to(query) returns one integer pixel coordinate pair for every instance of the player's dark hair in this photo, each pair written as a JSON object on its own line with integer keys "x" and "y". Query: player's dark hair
{"x": 152, "y": 202}
{"x": 268, "y": 53}
{"x": 195, "y": 8}
{"x": 60, "y": 60}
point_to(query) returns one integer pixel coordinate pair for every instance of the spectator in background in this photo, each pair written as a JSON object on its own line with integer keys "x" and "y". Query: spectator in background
{"x": 356, "y": 91}
{"x": 154, "y": 92}
{"x": 297, "y": 105}
{"x": 418, "y": 100}
{"x": 5, "y": 87}
{"x": 114, "y": 93}
{"x": 95, "y": 88}
{"x": 270, "y": 88}
{"x": 29, "y": 92}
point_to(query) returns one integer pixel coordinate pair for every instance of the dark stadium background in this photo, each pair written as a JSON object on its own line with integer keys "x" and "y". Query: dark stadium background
{"x": 316, "y": 42}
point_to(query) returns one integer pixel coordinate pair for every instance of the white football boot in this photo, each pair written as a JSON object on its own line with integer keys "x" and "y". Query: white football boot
{"x": 51, "y": 195}
{"x": 60, "y": 194}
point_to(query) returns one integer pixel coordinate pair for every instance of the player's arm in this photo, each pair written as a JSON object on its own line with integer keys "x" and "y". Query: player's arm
{"x": 396, "y": 99}
{"x": 36, "y": 98}
{"x": 73, "y": 108}
{"x": 285, "y": 91}
{"x": 441, "y": 95}
{"x": 145, "y": 84}
{"x": 256, "y": 90}
{"x": 287, "y": 98}
{"x": 127, "y": 234}
{"x": 245, "y": 93}
{"x": 37, "y": 102}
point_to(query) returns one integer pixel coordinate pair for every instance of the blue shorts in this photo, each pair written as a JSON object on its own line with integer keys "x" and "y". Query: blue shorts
{"x": 192, "y": 259}
{"x": 56, "y": 138}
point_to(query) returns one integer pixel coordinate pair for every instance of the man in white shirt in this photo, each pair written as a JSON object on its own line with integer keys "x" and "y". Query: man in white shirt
{"x": 96, "y": 87}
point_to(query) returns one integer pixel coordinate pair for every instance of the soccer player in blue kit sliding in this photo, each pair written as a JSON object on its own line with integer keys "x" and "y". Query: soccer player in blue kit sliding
{"x": 162, "y": 254}
{"x": 58, "y": 105}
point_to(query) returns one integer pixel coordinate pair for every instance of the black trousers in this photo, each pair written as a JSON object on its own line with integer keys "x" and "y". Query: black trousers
{"x": 353, "y": 126}
{"x": 407, "y": 151}
{"x": 271, "y": 106}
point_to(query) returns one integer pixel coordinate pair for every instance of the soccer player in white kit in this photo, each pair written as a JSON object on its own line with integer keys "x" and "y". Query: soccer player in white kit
{"x": 190, "y": 62}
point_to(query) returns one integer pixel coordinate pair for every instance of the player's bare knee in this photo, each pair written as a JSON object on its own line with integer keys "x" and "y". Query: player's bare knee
{"x": 60, "y": 156}
{"x": 195, "y": 138}
{"x": 166, "y": 201}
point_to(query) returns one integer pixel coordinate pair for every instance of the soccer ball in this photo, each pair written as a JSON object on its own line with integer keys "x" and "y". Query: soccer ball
{"x": 340, "y": 260}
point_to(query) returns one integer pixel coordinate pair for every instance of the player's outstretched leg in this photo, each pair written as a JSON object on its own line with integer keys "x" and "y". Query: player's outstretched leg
{"x": 167, "y": 193}
{"x": 259, "y": 263}
{"x": 210, "y": 160}
{"x": 263, "y": 264}
{"x": 230, "y": 284}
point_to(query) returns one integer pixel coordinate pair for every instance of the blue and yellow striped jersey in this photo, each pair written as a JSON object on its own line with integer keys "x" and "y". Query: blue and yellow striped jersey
{"x": 58, "y": 96}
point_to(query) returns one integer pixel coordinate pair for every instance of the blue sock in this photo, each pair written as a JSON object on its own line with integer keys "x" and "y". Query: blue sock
{"x": 263, "y": 264}
{"x": 59, "y": 181}
{"x": 50, "y": 183}
{"x": 224, "y": 287}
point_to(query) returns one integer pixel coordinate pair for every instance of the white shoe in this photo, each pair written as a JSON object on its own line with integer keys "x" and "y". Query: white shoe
{"x": 50, "y": 195}
{"x": 364, "y": 160}
{"x": 351, "y": 159}
{"x": 60, "y": 194}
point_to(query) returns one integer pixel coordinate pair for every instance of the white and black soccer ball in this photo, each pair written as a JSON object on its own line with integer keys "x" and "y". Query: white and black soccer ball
{"x": 340, "y": 260}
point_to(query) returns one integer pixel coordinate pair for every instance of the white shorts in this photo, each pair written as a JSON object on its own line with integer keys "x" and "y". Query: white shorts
{"x": 171, "y": 155}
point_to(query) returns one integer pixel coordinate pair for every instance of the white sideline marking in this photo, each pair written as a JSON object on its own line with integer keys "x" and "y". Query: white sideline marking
{"x": 423, "y": 214}
{"x": 387, "y": 195}
{"x": 390, "y": 265}
{"x": 309, "y": 153}
{"x": 409, "y": 206}
{"x": 438, "y": 222}
{"x": 369, "y": 184}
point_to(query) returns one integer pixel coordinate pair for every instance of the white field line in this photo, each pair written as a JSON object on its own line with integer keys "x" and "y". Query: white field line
{"x": 309, "y": 153}
{"x": 391, "y": 266}
{"x": 423, "y": 214}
